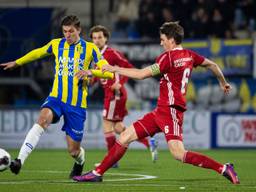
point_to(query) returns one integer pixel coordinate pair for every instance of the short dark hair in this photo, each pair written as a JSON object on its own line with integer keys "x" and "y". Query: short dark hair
{"x": 99, "y": 28}
{"x": 173, "y": 30}
{"x": 71, "y": 20}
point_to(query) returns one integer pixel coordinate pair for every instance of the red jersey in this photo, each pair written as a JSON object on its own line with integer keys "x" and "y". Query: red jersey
{"x": 114, "y": 57}
{"x": 176, "y": 67}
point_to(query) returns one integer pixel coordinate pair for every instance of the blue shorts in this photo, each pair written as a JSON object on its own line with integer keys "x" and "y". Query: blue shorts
{"x": 74, "y": 117}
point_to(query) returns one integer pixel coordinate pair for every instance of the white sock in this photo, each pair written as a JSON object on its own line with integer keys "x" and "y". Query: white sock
{"x": 96, "y": 173}
{"x": 224, "y": 169}
{"x": 80, "y": 158}
{"x": 30, "y": 142}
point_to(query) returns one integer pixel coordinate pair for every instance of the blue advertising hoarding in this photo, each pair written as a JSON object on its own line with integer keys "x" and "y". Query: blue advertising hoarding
{"x": 235, "y": 57}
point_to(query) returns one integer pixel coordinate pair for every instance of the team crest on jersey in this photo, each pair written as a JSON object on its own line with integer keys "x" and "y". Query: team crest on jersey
{"x": 80, "y": 49}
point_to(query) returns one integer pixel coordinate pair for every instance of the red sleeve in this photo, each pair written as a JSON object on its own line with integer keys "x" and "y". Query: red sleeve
{"x": 123, "y": 80}
{"x": 121, "y": 61}
{"x": 198, "y": 59}
{"x": 164, "y": 62}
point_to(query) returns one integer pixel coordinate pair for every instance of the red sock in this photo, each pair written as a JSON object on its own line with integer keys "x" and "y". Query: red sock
{"x": 144, "y": 141}
{"x": 110, "y": 138}
{"x": 113, "y": 156}
{"x": 200, "y": 160}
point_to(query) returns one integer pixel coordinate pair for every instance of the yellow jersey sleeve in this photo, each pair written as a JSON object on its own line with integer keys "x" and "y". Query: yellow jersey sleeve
{"x": 100, "y": 74}
{"x": 36, "y": 54}
{"x": 100, "y": 61}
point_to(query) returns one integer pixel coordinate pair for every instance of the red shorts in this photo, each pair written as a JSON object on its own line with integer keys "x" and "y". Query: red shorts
{"x": 163, "y": 119}
{"x": 115, "y": 110}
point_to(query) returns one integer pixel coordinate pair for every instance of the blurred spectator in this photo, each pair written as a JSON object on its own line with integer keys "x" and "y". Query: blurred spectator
{"x": 148, "y": 26}
{"x": 167, "y": 15}
{"x": 200, "y": 24}
{"x": 147, "y": 23}
{"x": 127, "y": 14}
{"x": 218, "y": 26}
{"x": 201, "y": 18}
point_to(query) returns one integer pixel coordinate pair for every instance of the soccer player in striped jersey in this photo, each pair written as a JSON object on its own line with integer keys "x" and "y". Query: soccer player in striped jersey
{"x": 174, "y": 66}
{"x": 115, "y": 95}
{"x": 69, "y": 91}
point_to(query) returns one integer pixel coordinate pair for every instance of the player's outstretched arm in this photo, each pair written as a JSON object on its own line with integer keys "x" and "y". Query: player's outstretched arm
{"x": 33, "y": 55}
{"x": 129, "y": 72}
{"x": 9, "y": 65}
{"x": 29, "y": 57}
{"x": 225, "y": 86}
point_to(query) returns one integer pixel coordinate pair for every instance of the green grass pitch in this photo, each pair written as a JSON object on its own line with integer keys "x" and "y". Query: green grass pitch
{"x": 48, "y": 170}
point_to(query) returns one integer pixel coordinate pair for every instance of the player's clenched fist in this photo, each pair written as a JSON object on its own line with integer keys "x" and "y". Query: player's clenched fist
{"x": 226, "y": 88}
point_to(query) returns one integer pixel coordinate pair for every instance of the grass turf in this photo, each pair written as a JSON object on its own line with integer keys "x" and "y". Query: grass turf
{"x": 48, "y": 170}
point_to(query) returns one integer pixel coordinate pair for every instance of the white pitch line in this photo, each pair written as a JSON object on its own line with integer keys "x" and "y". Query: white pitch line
{"x": 134, "y": 177}
{"x": 68, "y": 183}
{"x": 137, "y": 177}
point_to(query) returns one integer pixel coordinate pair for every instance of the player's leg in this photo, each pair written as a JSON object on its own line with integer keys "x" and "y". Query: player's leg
{"x": 112, "y": 157}
{"x": 197, "y": 159}
{"x": 173, "y": 134}
{"x": 32, "y": 138}
{"x": 109, "y": 133}
{"x": 76, "y": 152}
{"x": 110, "y": 136}
{"x": 178, "y": 151}
{"x": 118, "y": 150}
{"x": 151, "y": 145}
{"x": 142, "y": 128}
{"x": 109, "y": 113}
{"x": 119, "y": 128}
{"x": 74, "y": 118}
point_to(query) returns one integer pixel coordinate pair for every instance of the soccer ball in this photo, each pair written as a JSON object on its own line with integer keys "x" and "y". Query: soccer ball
{"x": 5, "y": 160}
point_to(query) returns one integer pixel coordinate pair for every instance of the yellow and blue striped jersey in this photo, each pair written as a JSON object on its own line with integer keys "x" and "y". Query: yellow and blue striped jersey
{"x": 69, "y": 59}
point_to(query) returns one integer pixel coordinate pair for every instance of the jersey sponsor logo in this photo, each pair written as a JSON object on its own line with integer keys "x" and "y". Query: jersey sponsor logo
{"x": 181, "y": 62}
{"x": 66, "y": 73}
{"x": 68, "y": 63}
{"x": 63, "y": 60}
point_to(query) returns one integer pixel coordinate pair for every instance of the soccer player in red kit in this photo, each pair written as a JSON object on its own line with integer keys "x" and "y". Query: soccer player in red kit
{"x": 115, "y": 95}
{"x": 174, "y": 66}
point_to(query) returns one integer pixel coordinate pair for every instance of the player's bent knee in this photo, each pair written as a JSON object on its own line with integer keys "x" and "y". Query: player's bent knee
{"x": 119, "y": 130}
{"x": 43, "y": 122}
{"x": 177, "y": 157}
{"x": 73, "y": 152}
{"x": 124, "y": 138}
{"x": 177, "y": 154}
{"x": 127, "y": 136}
